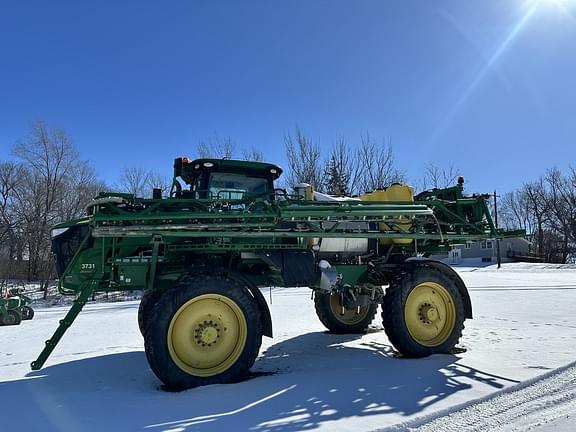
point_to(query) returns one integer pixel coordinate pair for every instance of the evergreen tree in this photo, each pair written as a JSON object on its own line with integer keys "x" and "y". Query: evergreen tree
{"x": 337, "y": 178}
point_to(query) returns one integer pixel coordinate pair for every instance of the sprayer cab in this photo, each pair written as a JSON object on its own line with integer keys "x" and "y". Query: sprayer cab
{"x": 216, "y": 179}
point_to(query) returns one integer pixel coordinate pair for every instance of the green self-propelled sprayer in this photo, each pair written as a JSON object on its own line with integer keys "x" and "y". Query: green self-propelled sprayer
{"x": 201, "y": 254}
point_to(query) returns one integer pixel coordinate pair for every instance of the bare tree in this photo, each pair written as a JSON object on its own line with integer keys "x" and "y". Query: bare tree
{"x": 52, "y": 158}
{"x": 514, "y": 211}
{"x": 77, "y": 191}
{"x": 304, "y": 161}
{"x": 253, "y": 154}
{"x": 48, "y": 157}
{"x": 538, "y": 206}
{"x": 437, "y": 177}
{"x": 50, "y": 174}
{"x": 158, "y": 181}
{"x": 10, "y": 174}
{"x": 378, "y": 169}
{"x": 139, "y": 181}
{"x": 546, "y": 209}
{"x": 134, "y": 180}
{"x": 561, "y": 201}
{"x": 11, "y": 241}
{"x": 216, "y": 148}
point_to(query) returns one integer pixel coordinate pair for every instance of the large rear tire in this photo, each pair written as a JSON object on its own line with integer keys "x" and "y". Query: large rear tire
{"x": 423, "y": 312}
{"x": 329, "y": 310}
{"x": 11, "y": 318}
{"x": 207, "y": 330}
{"x": 147, "y": 302}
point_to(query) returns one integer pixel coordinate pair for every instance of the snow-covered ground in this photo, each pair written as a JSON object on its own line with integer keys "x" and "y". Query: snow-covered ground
{"x": 518, "y": 371}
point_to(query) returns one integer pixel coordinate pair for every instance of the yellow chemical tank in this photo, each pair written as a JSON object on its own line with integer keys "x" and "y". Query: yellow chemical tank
{"x": 395, "y": 192}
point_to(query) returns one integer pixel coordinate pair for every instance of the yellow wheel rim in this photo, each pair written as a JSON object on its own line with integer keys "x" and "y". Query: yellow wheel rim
{"x": 207, "y": 335}
{"x": 430, "y": 314}
{"x": 350, "y": 316}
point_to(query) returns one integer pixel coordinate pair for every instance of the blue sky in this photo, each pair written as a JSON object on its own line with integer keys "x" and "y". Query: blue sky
{"x": 487, "y": 85}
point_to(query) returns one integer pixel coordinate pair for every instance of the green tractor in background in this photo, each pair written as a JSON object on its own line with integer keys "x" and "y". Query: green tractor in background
{"x": 14, "y": 307}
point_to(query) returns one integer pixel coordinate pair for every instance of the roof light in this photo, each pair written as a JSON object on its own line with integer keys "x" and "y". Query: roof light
{"x": 273, "y": 170}
{"x": 208, "y": 164}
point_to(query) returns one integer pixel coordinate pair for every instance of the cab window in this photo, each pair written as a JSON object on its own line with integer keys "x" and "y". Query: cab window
{"x": 235, "y": 186}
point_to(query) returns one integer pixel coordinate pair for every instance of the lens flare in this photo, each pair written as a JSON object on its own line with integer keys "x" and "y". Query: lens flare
{"x": 499, "y": 50}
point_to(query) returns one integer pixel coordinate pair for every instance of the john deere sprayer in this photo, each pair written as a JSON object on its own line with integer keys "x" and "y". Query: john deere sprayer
{"x": 201, "y": 254}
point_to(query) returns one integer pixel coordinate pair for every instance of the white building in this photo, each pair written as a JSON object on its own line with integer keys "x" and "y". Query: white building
{"x": 511, "y": 249}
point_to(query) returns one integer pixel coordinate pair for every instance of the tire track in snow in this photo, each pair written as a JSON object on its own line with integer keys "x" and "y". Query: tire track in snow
{"x": 518, "y": 408}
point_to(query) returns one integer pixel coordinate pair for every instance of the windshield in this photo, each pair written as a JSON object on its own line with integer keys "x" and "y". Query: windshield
{"x": 234, "y": 186}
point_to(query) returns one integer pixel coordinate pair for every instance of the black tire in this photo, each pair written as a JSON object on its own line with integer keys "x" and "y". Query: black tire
{"x": 428, "y": 322}
{"x": 27, "y": 313}
{"x": 147, "y": 302}
{"x": 11, "y": 318}
{"x": 206, "y": 330}
{"x": 329, "y": 311}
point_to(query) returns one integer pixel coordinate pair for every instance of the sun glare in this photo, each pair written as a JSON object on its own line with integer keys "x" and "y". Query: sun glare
{"x": 558, "y": 2}
{"x": 551, "y": 3}
{"x": 565, "y": 7}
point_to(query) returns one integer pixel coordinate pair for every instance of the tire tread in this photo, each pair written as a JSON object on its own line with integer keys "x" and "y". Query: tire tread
{"x": 161, "y": 314}
{"x": 393, "y": 311}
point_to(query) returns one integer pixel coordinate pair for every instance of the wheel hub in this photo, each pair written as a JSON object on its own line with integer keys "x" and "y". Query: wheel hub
{"x": 207, "y": 333}
{"x": 428, "y": 313}
{"x": 345, "y": 315}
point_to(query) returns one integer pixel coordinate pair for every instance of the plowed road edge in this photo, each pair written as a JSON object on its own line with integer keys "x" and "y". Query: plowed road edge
{"x": 519, "y": 408}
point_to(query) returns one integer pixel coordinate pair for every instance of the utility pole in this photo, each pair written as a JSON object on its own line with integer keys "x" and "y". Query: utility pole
{"x": 498, "y": 257}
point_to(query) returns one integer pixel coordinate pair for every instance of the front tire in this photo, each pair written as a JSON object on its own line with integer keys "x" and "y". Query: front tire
{"x": 423, "y": 312}
{"x": 27, "y": 313}
{"x": 329, "y": 310}
{"x": 207, "y": 330}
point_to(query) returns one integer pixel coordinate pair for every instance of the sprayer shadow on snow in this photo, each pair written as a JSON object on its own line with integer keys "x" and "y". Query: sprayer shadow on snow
{"x": 317, "y": 379}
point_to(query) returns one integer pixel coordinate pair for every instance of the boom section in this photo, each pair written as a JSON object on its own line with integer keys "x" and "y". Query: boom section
{"x": 289, "y": 217}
